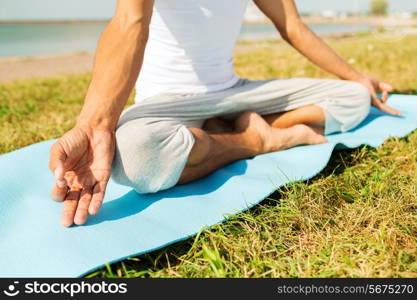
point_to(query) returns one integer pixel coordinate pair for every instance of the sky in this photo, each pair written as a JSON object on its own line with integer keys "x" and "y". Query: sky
{"x": 103, "y": 9}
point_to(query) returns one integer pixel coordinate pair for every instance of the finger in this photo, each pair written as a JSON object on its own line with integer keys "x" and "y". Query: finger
{"x": 386, "y": 87}
{"x": 384, "y": 96}
{"x": 82, "y": 208}
{"x": 58, "y": 194}
{"x": 389, "y": 110}
{"x": 70, "y": 207}
{"x": 98, "y": 196}
{"x": 56, "y": 164}
{"x": 375, "y": 100}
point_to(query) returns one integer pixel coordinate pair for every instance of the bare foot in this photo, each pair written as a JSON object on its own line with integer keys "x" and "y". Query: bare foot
{"x": 263, "y": 138}
{"x": 302, "y": 134}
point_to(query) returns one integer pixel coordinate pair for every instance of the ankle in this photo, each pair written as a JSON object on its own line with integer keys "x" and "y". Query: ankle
{"x": 252, "y": 143}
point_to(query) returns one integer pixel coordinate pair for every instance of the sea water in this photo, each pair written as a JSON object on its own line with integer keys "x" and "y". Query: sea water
{"x": 55, "y": 39}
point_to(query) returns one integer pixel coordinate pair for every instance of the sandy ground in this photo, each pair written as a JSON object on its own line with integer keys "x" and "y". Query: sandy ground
{"x": 394, "y": 20}
{"x": 20, "y": 68}
{"x": 44, "y": 66}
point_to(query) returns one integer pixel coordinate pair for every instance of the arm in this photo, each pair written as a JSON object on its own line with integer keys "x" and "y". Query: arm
{"x": 285, "y": 17}
{"x": 118, "y": 61}
{"x": 81, "y": 160}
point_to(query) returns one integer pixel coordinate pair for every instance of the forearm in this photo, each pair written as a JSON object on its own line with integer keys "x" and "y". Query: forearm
{"x": 318, "y": 52}
{"x": 117, "y": 64}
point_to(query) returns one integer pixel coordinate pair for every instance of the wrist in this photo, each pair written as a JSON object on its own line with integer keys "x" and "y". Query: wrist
{"x": 355, "y": 76}
{"x": 96, "y": 123}
{"x": 97, "y": 117}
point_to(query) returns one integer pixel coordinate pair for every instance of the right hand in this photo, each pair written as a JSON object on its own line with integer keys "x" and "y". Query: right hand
{"x": 374, "y": 86}
{"x": 81, "y": 162}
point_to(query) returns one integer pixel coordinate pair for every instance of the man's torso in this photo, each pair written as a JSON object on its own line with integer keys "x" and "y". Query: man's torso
{"x": 190, "y": 47}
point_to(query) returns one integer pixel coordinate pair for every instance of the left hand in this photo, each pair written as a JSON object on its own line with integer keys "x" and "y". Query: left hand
{"x": 374, "y": 86}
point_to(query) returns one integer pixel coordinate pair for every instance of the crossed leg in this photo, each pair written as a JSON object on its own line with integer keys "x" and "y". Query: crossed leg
{"x": 156, "y": 150}
{"x": 220, "y": 143}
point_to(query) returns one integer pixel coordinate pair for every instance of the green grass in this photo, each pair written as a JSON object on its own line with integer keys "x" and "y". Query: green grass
{"x": 357, "y": 218}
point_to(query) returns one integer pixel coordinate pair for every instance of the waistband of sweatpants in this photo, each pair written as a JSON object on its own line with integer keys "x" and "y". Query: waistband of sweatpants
{"x": 173, "y": 96}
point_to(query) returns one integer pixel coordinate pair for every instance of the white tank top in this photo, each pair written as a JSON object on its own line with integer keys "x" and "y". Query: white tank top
{"x": 190, "y": 47}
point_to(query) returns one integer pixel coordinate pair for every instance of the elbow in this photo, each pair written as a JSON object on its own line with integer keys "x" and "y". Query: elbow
{"x": 135, "y": 27}
{"x": 292, "y": 30}
{"x": 285, "y": 36}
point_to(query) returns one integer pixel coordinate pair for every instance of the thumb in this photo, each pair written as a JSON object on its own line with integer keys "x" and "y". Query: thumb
{"x": 375, "y": 100}
{"x": 57, "y": 164}
{"x": 386, "y": 89}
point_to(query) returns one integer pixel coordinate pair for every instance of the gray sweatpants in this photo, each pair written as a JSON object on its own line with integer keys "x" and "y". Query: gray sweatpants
{"x": 153, "y": 142}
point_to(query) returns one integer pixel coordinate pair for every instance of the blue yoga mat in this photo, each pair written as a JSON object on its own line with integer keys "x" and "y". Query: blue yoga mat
{"x": 33, "y": 244}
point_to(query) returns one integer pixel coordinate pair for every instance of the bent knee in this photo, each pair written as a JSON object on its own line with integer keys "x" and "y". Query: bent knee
{"x": 150, "y": 158}
{"x": 360, "y": 92}
{"x": 352, "y": 107}
{"x": 361, "y": 104}
{"x": 132, "y": 157}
